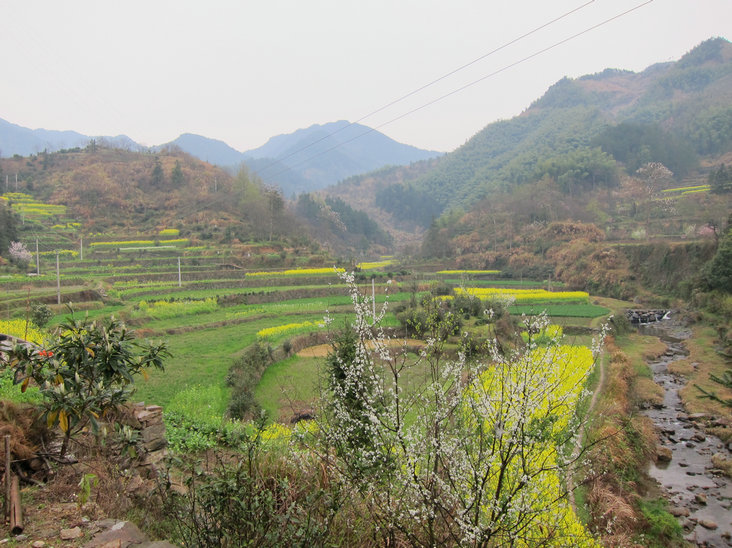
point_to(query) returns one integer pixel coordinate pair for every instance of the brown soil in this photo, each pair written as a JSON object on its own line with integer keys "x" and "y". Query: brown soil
{"x": 322, "y": 350}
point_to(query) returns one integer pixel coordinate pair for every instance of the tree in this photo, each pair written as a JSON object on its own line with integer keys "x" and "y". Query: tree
{"x": 718, "y": 272}
{"x": 653, "y": 175}
{"x": 8, "y": 227}
{"x": 157, "y": 174}
{"x": 720, "y": 180}
{"x": 275, "y": 205}
{"x": 456, "y": 452}
{"x": 176, "y": 176}
{"x": 85, "y": 372}
{"x": 19, "y": 254}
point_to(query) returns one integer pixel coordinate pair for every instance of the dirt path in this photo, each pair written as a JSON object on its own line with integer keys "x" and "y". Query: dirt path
{"x": 581, "y": 439}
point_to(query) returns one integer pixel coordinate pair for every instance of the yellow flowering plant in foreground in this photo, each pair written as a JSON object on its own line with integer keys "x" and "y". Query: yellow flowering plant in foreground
{"x": 22, "y": 330}
{"x": 456, "y": 452}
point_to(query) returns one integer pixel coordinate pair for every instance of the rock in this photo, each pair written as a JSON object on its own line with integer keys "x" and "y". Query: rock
{"x": 708, "y": 524}
{"x": 678, "y": 512}
{"x": 696, "y": 417}
{"x": 124, "y": 533}
{"x": 690, "y": 445}
{"x": 698, "y": 437}
{"x": 135, "y": 485}
{"x": 701, "y": 499}
{"x": 663, "y": 454}
{"x": 70, "y": 534}
{"x": 38, "y": 544}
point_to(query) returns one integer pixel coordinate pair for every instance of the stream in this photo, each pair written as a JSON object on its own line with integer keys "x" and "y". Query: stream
{"x": 700, "y": 497}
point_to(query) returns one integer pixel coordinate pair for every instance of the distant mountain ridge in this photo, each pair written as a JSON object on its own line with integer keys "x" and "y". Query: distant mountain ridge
{"x": 15, "y": 139}
{"x": 311, "y": 158}
{"x": 302, "y": 161}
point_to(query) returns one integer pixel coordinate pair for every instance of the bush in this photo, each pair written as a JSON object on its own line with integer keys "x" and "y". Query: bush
{"x": 41, "y": 314}
{"x": 243, "y": 377}
{"x": 258, "y": 500}
{"x": 662, "y": 527}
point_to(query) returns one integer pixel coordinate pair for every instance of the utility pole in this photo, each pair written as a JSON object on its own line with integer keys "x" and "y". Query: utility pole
{"x": 81, "y": 248}
{"x": 179, "y": 279}
{"x": 373, "y": 297}
{"x": 58, "y": 281}
{"x": 38, "y": 264}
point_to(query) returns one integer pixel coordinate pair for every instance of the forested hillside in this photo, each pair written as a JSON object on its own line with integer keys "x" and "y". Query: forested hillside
{"x": 582, "y": 135}
{"x": 106, "y": 190}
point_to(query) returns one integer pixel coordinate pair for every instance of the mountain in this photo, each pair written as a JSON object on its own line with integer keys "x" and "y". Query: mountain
{"x": 305, "y": 160}
{"x": 15, "y": 139}
{"x": 212, "y": 151}
{"x": 580, "y": 134}
{"x": 311, "y": 158}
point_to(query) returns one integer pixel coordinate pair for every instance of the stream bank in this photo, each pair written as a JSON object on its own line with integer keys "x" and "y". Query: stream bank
{"x": 698, "y": 494}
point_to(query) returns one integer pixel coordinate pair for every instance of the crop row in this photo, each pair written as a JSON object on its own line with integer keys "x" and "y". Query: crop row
{"x": 138, "y": 243}
{"x": 524, "y": 295}
{"x": 470, "y": 272}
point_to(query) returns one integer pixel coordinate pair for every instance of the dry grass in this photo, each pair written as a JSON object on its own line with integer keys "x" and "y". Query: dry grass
{"x": 630, "y": 442}
{"x": 703, "y": 361}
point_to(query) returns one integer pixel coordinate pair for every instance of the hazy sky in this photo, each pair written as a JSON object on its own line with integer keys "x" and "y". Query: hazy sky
{"x": 243, "y": 71}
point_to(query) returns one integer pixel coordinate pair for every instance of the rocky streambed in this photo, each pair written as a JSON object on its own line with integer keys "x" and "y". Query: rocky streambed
{"x": 698, "y": 494}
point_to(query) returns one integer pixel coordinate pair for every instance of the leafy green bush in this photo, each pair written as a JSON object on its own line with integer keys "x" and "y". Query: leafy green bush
{"x": 662, "y": 527}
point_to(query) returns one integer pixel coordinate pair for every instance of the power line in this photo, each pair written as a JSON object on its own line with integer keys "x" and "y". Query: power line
{"x": 425, "y": 86}
{"x": 464, "y": 87}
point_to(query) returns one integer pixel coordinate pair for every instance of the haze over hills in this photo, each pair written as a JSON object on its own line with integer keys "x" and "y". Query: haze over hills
{"x": 305, "y": 160}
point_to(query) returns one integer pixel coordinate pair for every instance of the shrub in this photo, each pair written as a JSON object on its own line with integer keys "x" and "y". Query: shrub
{"x": 84, "y": 372}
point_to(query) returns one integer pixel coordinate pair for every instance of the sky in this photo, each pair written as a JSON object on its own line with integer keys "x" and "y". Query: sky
{"x": 243, "y": 71}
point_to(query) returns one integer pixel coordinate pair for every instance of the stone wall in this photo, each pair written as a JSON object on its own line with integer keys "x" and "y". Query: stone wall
{"x": 152, "y": 445}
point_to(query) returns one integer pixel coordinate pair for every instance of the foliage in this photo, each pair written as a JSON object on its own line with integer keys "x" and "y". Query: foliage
{"x": 259, "y": 499}
{"x": 374, "y": 265}
{"x": 172, "y": 309}
{"x": 718, "y": 272}
{"x": 23, "y": 330}
{"x": 662, "y": 527}
{"x": 580, "y": 169}
{"x": 19, "y": 254}
{"x": 291, "y": 328}
{"x": 472, "y": 454}
{"x": 243, "y": 376}
{"x": 468, "y": 272}
{"x": 407, "y": 203}
{"x": 41, "y": 314}
{"x": 296, "y": 272}
{"x": 525, "y": 295}
{"x": 637, "y": 144}
{"x": 548, "y": 335}
{"x": 720, "y": 180}
{"x": 84, "y": 372}
{"x": 8, "y": 227}
{"x": 138, "y": 243}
